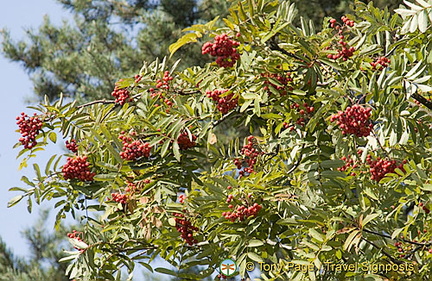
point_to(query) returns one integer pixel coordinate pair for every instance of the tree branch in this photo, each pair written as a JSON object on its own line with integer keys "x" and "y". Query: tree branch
{"x": 404, "y": 240}
{"x": 384, "y": 252}
{"x": 422, "y": 100}
{"x": 275, "y": 47}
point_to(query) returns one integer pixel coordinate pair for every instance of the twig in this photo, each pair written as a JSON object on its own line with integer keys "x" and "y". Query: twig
{"x": 405, "y": 240}
{"x": 422, "y": 100}
{"x": 226, "y": 116}
{"x": 384, "y": 252}
{"x": 96, "y": 102}
{"x": 274, "y": 46}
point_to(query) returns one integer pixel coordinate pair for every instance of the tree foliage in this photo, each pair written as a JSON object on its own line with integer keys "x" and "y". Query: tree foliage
{"x": 333, "y": 183}
{"x": 84, "y": 57}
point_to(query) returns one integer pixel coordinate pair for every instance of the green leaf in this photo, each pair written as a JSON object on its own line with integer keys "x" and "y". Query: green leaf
{"x": 369, "y": 218}
{"x": 332, "y": 164}
{"x": 255, "y": 243}
{"x": 426, "y": 187}
{"x": 15, "y": 200}
{"x": 254, "y": 257}
{"x": 176, "y": 150}
{"x": 52, "y": 136}
{"x": 165, "y": 271}
{"x": 315, "y": 234}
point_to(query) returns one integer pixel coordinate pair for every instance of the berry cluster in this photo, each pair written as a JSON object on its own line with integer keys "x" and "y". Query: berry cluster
{"x": 181, "y": 198}
{"x": 304, "y": 111}
{"x": 350, "y": 163}
{"x": 425, "y": 209}
{"x": 344, "y": 52}
{"x": 76, "y": 235}
{"x": 118, "y": 197}
{"x": 380, "y": 63}
{"x": 224, "y": 49}
{"x": 186, "y": 229}
{"x": 164, "y": 82}
{"x": 347, "y": 21}
{"x": 137, "y": 78}
{"x": 121, "y": 95}
{"x": 225, "y": 103}
{"x": 77, "y": 168}
{"x": 29, "y": 128}
{"x": 133, "y": 149}
{"x": 251, "y": 152}
{"x": 354, "y": 120}
{"x": 185, "y": 142}
{"x": 72, "y": 146}
{"x": 380, "y": 167}
{"x": 284, "y": 81}
{"x": 131, "y": 187}
{"x": 242, "y": 212}
{"x": 163, "y": 86}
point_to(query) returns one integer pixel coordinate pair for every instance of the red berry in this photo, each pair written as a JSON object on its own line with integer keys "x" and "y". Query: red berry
{"x": 224, "y": 49}
{"x": 29, "y": 128}
{"x": 354, "y": 120}
{"x": 77, "y": 168}
{"x": 122, "y": 95}
{"x": 225, "y": 103}
{"x": 72, "y": 146}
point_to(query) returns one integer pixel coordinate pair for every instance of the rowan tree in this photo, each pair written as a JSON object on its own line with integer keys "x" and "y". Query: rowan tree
{"x": 105, "y": 40}
{"x": 336, "y": 172}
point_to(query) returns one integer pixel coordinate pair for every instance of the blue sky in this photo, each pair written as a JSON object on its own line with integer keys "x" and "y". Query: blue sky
{"x": 15, "y": 88}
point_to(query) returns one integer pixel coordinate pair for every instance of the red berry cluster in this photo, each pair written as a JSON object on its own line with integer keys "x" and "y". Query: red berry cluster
{"x": 164, "y": 82}
{"x": 224, "y": 103}
{"x": 131, "y": 187}
{"x": 354, "y": 120}
{"x": 121, "y": 95}
{"x": 181, "y": 198}
{"x": 186, "y": 229}
{"x": 425, "y": 209}
{"x": 347, "y": 21}
{"x": 380, "y": 167}
{"x": 304, "y": 111}
{"x": 380, "y": 63}
{"x": 163, "y": 85}
{"x": 118, "y": 197}
{"x": 77, "y": 168}
{"x": 251, "y": 153}
{"x": 221, "y": 276}
{"x": 76, "y": 235}
{"x": 285, "y": 80}
{"x": 242, "y": 212}
{"x": 350, "y": 163}
{"x": 137, "y": 78}
{"x": 29, "y": 128}
{"x": 72, "y": 146}
{"x": 185, "y": 142}
{"x": 344, "y": 52}
{"x": 133, "y": 149}
{"x": 224, "y": 49}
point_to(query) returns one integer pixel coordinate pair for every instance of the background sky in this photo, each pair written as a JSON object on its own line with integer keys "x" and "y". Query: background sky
{"x": 16, "y": 87}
